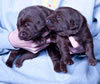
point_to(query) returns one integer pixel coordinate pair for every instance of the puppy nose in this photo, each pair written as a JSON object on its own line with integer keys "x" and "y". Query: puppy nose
{"x": 23, "y": 35}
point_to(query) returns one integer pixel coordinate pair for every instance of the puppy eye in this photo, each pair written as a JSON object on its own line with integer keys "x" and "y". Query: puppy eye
{"x": 27, "y": 24}
{"x": 58, "y": 17}
{"x": 48, "y": 21}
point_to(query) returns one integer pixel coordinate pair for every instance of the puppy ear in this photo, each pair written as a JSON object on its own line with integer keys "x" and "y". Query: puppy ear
{"x": 76, "y": 26}
{"x": 73, "y": 25}
{"x": 63, "y": 29}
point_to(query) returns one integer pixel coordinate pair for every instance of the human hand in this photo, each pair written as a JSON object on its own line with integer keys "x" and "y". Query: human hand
{"x": 74, "y": 43}
{"x": 27, "y": 45}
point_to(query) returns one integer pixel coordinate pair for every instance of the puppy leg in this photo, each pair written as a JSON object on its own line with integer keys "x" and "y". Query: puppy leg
{"x": 55, "y": 56}
{"x": 90, "y": 54}
{"x": 11, "y": 58}
{"x": 64, "y": 50}
{"x": 25, "y": 56}
{"x": 63, "y": 66}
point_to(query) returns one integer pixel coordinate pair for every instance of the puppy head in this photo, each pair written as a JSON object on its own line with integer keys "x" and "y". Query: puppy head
{"x": 65, "y": 21}
{"x": 55, "y": 22}
{"x": 31, "y": 22}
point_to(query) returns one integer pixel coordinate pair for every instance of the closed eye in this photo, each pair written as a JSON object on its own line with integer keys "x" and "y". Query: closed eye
{"x": 26, "y": 24}
{"x": 58, "y": 17}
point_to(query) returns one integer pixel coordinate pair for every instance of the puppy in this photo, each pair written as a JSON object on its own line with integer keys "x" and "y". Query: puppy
{"x": 66, "y": 22}
{"x": 31, "y": 25}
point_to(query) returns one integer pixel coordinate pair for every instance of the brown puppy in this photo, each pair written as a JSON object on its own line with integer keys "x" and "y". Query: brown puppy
{"x": 31, "y": 25}
{"x": 65, "y": 22}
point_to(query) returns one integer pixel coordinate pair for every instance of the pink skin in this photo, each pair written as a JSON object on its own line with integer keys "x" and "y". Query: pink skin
{"x": 32, "y": 46}
{"x": 74, "y": 43}
{"x": 27, "y": 45}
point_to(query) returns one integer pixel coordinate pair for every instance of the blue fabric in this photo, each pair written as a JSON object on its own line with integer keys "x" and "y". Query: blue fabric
{"x": 40, "y": 69}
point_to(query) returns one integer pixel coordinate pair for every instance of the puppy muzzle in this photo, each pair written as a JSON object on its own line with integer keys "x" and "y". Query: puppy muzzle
{"x": 24, "y": 35}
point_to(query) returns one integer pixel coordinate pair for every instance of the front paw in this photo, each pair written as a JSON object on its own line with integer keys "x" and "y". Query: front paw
{"x": 57, "y": 66}
{"x": 18, "y": 63}
{"x": 92, "y": 61}
{"x": 9, "y": 64}
{"x": 63, "y": 67}
{"x": 68, "y": 60}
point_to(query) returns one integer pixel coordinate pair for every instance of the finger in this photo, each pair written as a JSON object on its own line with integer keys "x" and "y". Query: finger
{"x": 74, "y": 43}
{"x": 28, "y": 44}
{"x": 41, "y": 47}
{"x": 33, "y": 50}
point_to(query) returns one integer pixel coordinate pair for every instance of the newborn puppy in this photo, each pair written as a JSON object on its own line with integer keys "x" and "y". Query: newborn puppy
{"x": 31, "y": 25}
{"x": 66, "y": 22}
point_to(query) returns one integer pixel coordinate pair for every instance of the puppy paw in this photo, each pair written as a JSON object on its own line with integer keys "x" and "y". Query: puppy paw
{"x": 57, "y": 67}
{"x": 18, "y": 63}
{"x": 92, "y": 61}
{"x": 9, "y": 64}
{"x": 69, "y": 61}
{"x": 63, "y": 67}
